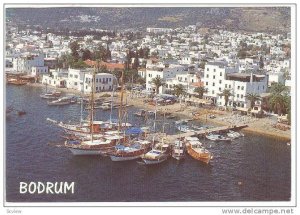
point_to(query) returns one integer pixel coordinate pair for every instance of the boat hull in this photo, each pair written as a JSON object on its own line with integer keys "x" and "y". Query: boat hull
{"x": 203, "y": 157}
{"x": 78, "y": 151}
{"x": 154, "y": 161}
{"x": 124, "y": 158}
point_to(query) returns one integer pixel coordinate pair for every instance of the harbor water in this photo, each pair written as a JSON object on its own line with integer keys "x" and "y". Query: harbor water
{"x": 251, "y": 168}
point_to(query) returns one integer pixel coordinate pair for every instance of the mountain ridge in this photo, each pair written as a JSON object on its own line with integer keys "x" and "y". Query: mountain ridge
{"x": 255, "y": 19}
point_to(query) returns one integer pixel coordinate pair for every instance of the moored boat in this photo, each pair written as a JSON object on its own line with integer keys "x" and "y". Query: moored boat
{"x": 61, "y": 101}
{"x": 89, "y": 147}
{"x": 234, "y": 134}
{"x": 157, "y": 155}
{"x": 131, "y": 152}
{"x": 197, "y": 151}
{"x": 178, "y": 151}
{"x": 52, "y": 95}
{"x": 217, "y": 137}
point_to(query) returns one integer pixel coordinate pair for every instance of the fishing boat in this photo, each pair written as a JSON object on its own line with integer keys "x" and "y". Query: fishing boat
{"x": 51, "y": 95}
{"x": 15, "y": 81}
{"x": 131, "y": 152}
{"x": 157, "y": 155}
{"x": 234, "y": 134}
{"x": 197, "y": 151}
{"x": 62, "y": 101}
{"x": 178, "y": 150}
{"x": 218, "y": 137}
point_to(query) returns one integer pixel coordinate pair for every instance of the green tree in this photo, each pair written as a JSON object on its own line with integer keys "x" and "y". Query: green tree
{"x": 279, "y": 100}
{"x": 179, "y": 90}
{"x": 226, "y": 93}
{"x": 252, "y": 97}
{"x": 74, "y": 46}
{"x": 158, "y": 82}
{"x": 278, "y": 88}
{"x": 200, "y": 91}
{"x": 279, "y": 103}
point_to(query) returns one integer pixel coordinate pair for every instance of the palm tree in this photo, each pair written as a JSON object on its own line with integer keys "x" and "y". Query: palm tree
{"x": 279, "y": 103}
{"x": 278, "y": 88}
{"x": 158, "y": 82}
{"x": 252, "y": 97}
{"x": 179, "y": 90}
{"x": 200, "y": 91}
{"x": 226, "y": 93}
{"x": 279, "y": 100}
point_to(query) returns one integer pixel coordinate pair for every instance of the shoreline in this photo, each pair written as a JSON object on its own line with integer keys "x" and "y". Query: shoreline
{"x": 185, "y": 112}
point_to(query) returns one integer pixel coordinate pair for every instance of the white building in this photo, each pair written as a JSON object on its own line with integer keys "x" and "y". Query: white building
{"x": 56, "y": 78}
{"x": 218, "y": 76}
{"x": 24, "y": 64}
{"x": 81, "y": 80}
{"x": 276, "y": 77}
{"x": 164, "y": 74}
{"x": 37, "y": 71}
{"x": 189, "y": 80}
{"x": 159, "y": 30}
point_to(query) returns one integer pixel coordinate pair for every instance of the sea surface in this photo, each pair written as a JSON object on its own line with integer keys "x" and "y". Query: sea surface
{"x": 252, "y": 168}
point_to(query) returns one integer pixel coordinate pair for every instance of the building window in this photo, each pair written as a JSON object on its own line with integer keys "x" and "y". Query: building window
{"x": 96, "y": 88}
{"x": 220, "y": 81}
{"x": 263, "y": 87}
{"x": 220, "y": 89}
{"x": 214, "y": 70}
{"x": 238, "y": 87}
{"x": 213, "y": 84}
{"x": 221, "y": 74}
{"x": 75, "y": 76}
{"x": 225, "y": 85}
{"x": 207, "y": 76}
{"x": 237, "y": 95}
{"x": 214, "y": 77}
{"x": 206, "y": 83}
{"x": 242, "y": 88}
{"x": 75, "y": 83}
{"x": 207, "y": 69}
{"x": 258, "y": 87}
{"x": 213, "y": 92}
{"x": 71, "y": 75}
{"x": 96, "y": 79}
{"x": 109, "y": 79}
{"x": 242, "y": 96}
{"x": 229, "y": 86}
{"x": 149, "y": 75}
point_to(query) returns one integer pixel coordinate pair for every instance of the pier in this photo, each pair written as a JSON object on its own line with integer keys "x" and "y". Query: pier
{"x": 172, "y": 138}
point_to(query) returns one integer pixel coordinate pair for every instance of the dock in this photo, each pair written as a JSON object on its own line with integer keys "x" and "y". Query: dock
{"x": 172, "y": 138}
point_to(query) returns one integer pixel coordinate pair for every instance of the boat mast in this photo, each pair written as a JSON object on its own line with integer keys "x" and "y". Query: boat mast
{"x": 81, "y": 107}
{"x": 92, "y": 105}
{"x": 121, "y": 103}
{"x": 111, "y": 105}
{"x": 155, "y": 113}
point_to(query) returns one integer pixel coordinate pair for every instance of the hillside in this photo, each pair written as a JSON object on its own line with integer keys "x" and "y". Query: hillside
{"x": 267, "y": 19}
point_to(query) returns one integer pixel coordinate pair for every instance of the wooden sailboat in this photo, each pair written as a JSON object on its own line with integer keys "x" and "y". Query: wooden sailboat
{"x": 91, "y": 146}
{"x": 127, "y": 149}
{"x": 160, "y": 151}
